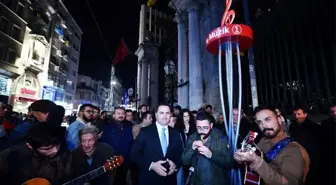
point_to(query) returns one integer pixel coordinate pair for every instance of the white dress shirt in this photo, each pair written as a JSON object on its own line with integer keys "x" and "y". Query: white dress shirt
{"x": 159, "y": 129}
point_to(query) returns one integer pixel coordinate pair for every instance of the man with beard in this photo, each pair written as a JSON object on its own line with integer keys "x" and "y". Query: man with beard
{"x": 91, "y": 155}
{"x": 118, "y": 134}
{"x": 208, "y": 152}
{"x": 85, "y": 115}
{"x": 42, "y": 156}
{"x": 285, "y": 162}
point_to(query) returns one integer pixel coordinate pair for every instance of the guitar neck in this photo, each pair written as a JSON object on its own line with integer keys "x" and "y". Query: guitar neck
{"x": 87, "y": 177}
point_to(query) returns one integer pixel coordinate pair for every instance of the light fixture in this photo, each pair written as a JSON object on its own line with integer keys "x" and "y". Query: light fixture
{"x": 169, "y": 67}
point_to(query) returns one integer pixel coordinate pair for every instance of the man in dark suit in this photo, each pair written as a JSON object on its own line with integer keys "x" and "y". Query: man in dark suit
{"x": 157, "y": 151}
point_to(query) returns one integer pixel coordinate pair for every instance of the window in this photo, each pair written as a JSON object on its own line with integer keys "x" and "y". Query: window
{"x": 2, "y": 52}
{"x": 11, "y": 56}
{"x": 75, "y": 47}
{"x": 28, "y": 80}
{"x": 8, "y": 3}
{"x": 76, "y": 34}
{"x": 19, "y": 9}
{"x": 65, "y": 52}
{"x": 74, "y": 73}
{"x": 16, "y": 32}
{"x": 36, "y": 56}
{"x": 74, "y": 60}
{"x": 4, "y": 25}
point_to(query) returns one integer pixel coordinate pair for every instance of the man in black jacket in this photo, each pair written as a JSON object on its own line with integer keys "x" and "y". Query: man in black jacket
{"x": 308, "y": 134}
{"x": 91, "y": 155}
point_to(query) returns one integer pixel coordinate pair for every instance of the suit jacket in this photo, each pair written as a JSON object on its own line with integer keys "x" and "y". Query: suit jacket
{"x": 147, "y": 149}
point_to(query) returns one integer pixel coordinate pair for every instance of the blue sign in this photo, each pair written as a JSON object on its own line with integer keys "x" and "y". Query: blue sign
{"x": 48, "y": 93}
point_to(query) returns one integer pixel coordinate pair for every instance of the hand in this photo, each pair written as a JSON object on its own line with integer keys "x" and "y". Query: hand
{"x": 241, "y": 157}
{"x": 172, "y": 167}
{"x": 158, "y": 168}
{"x": 205, "y": 151}
{"x": 197, "y": 144}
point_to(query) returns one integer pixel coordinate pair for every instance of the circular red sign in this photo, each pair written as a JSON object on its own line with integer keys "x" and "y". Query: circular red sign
{"x": 233, "y": 32}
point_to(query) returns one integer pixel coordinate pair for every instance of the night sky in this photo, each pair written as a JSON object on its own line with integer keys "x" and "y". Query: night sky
{"x": 121, "y": 20}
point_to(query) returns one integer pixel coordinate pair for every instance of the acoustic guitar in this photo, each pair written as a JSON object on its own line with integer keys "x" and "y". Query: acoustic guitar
{"x": 248, "y": 145}
{"x": 111, "y": 164}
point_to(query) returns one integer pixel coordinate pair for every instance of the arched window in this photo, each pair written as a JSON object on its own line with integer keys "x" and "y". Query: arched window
{"x": 28, "y": 80}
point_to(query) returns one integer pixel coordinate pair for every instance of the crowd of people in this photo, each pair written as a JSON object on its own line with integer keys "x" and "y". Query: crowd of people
{"x": 166, "y": 146}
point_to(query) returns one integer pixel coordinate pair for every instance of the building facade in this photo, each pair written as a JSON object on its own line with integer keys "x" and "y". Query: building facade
{"x": 294, "y": 59}
{"x": 39, "y": 52}
{"x": 65, "y": 36}
{"x": 195, "y": 65}
{"x": 90, "y": 91}
{"x": 153, "y": 30}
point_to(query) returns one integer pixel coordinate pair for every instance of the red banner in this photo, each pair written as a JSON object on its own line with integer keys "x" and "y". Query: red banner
{"x": 122, "y": 52}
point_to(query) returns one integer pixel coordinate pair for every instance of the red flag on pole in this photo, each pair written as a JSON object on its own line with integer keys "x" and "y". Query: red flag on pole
{"x": 122, "y": 52}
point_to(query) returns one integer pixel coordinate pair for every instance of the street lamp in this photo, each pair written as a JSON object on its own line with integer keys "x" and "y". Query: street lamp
{"x": 170, "y": 70}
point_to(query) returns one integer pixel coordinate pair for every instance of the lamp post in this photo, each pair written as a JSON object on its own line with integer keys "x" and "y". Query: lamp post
{"x": 170, "y": 70}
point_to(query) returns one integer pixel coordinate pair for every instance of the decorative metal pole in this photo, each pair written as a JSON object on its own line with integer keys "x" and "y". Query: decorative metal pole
{"x": 226, "y": 40}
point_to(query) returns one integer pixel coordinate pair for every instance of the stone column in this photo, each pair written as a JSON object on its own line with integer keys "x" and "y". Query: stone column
{"x": 195, "y": 64}
{"x": 144, "y": 82}
{"x": 217, "y": 9}
{"x": 138, "y": 90}
{"x": 182, "y": 66}
{"x": 155, "y": 82}
{"x": 208, "y": 59}
{"x": 149, "y": 78}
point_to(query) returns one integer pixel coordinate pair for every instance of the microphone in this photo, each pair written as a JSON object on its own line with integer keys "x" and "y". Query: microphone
{"x": 191, "y": 171}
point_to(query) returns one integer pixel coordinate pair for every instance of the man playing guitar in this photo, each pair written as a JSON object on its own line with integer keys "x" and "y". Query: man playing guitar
{"x": 285, "y": 162}
{"x": 43, "y": 155}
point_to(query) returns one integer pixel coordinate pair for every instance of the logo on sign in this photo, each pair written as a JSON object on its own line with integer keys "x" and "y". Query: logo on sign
{"x": 228, "y": 15}
{"x": 27, "y": 91}
{"x": 236, "y": 29}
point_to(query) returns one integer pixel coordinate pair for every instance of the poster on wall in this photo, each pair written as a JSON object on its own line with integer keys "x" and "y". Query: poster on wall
{"x": 4, "y": 90}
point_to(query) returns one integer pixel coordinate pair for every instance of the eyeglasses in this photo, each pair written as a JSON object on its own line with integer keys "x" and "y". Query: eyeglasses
{"x": 203, "y": 128}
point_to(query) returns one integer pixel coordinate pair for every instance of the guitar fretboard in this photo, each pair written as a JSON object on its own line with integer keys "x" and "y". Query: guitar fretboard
{"x": 87, "y": 177}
